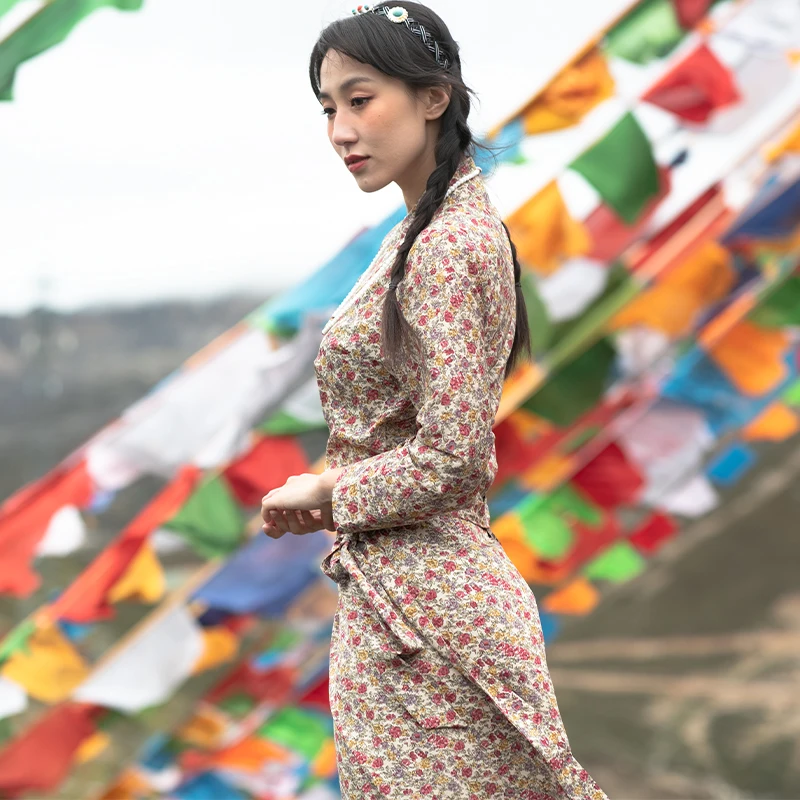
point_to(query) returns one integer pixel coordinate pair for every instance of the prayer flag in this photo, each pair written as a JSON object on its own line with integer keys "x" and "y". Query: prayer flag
{"x": 577, "y": 597}
{"x": 148, "y": 669}
{"x": 570, "y": 95}
{"x": 211, "y": 520}
{"x": 24, "y": 520}
{"x": 40, "y": 758}
{"x": 622, "y": 169}
{"x": 46, "y": 28}
{"x": 620, "y": 562}
{"x": 776, "y": 423}
{"x": 651, "y": 30}
{"x": 695, "y": 87}
{"x": 653, "y": 532}
{"x": 544, "y": 233}
{"x": 49, "y": 667}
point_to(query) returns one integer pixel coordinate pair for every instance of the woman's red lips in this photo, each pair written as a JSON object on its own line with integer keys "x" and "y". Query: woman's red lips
{"x": 355, "y": 162}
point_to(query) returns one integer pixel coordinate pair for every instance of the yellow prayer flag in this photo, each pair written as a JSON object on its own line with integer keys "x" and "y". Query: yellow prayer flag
{"x": 143, "y": 580}
{"x": 129, "y": 787}
{"x": 50, "y": 668}
{"x": 789, "y": 144}
{"x": 324, "y": 763}
{"x": 570, "y": 95}
{"x": 578, "y": 597}
{"x": 219, "y": 645}
{"x": 547, "y": 472}
{"x": 92, "y": 747}
{"x": 544, "y": 232}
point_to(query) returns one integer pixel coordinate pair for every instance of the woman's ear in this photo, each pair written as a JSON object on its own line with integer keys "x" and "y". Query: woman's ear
{"x": 436, "y": 99}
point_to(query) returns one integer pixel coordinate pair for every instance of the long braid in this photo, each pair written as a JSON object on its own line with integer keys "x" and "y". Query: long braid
{"x": 522, "y": 336}
{"x": 455, "y": 138}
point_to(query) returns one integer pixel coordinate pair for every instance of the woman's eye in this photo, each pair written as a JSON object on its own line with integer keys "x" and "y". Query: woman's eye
{"x": 360, "y": 101}
{"x": 327, "y": 111}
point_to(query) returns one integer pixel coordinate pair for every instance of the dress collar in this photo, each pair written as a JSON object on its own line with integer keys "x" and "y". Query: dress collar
{"x": 465, "y": 166}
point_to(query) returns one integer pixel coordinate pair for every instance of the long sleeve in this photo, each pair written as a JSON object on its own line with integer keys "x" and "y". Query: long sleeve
{"x": 448, "y": 295}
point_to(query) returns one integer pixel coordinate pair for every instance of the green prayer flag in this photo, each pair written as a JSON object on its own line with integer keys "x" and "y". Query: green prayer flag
{"x": 538, "y": 320}
{"x": 618, "y": 563}
{"x": 568, "y": 502}
{"x": 792, "y": 394}
{"x": 7, "y": 5}
{"x": 781, "y": 308}
{"x": 575, "y": 388}
{"x": 545, "y": 531}
{"x": 46, "y": 28}
{"x": 622, "y": 169}
{"x": 17, "y": 639}
{"x": 303, "y": 732}
{"x": 211, "y": 519}
{"x": 649, "y": 31}
{"x": 281, "y": 423}
{"x": 237, "y": 705}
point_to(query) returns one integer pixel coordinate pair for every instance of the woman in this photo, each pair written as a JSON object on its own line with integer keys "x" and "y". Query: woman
{"x": 438, "y": 681}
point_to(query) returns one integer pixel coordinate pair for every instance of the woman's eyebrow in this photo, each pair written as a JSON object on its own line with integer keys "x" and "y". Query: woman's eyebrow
{"x": 347, "y": 84}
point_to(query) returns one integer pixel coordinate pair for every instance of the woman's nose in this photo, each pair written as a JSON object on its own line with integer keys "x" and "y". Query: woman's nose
{"x": 342, "y": 132}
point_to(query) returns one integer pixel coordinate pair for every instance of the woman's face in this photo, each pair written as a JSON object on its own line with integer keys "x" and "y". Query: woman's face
{"x": 376, "y": 117}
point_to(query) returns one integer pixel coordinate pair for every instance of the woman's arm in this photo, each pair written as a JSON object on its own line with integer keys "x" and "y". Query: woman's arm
{"x": 444, "y": 297}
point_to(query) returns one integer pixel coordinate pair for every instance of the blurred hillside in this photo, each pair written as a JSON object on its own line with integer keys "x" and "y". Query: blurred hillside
{"x": 684, "y": 683}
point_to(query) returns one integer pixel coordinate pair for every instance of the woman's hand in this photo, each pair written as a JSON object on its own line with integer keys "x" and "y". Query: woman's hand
{"x": 302, "y": 505}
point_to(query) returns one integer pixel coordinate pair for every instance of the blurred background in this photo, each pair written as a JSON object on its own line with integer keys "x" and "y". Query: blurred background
{"x": 176, "y": 231}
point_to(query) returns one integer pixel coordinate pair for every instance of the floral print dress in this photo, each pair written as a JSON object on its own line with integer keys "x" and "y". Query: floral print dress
{"x": 439, "y": 686}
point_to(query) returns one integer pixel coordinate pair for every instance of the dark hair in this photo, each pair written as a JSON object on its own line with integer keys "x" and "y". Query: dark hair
{"x": 395, "y": 51}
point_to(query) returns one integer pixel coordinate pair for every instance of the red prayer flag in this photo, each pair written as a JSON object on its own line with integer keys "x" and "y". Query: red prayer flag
{"x": 610, "y": 235}
{"x": 85, "y": 599}
{"x": 653, "y": 532}
{"x": 690, "y": 12}
{"x": 695, "y": 88}
{"x": 318, "y": 696}
{"x": 275, "y": 684}
{"x": 40, "y": 758}
{"x": 609, "y": 479}
{"x": 265, "y": 467}
{"x": 24, "y": 518}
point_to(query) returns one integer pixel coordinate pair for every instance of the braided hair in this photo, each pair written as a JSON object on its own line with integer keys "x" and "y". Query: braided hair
{"x": 387, "y": 47}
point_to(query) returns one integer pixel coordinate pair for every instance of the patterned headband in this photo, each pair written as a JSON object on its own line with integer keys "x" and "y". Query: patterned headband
{"x": 399, "y": 14}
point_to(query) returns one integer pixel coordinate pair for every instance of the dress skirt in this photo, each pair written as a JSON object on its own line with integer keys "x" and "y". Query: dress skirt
{"x": 439, "y": 686}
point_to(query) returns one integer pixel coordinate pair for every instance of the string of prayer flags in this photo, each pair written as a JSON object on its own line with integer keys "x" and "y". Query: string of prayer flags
{"x": 622, "y": 169}
{"x": 46, "y": 28}
{"x": 87, "y": 598}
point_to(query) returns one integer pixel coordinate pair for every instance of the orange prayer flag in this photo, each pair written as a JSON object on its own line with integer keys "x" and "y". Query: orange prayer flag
{"x": 205, "y": 729}
{"x": 128, "y": 787}
{"x": 789, "y": 144}
{"x": 775, "y": 424}
{"x": 752, "y": 357}
{"x": 544, "y": 232}
{"x": 673, "y": 304}
{"x": 570, "y": 95}
{"x": 40, "y": 758}
{"x": 578, "y": 597}
{"x": 49, "y": 668}
{"x": 24, "y": 518}
{"x": 324, "y": 763}
{"x": 219, "y": 645}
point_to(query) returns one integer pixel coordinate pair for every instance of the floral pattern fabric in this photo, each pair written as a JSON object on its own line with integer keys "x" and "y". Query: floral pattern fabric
{"x": 439, "y": 685}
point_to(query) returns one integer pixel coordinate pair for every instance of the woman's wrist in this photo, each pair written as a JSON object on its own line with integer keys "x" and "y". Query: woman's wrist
{"x": 327, "y": 480}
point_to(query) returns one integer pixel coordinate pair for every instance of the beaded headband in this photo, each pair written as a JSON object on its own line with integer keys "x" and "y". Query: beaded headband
{"x": 399, "y": 14}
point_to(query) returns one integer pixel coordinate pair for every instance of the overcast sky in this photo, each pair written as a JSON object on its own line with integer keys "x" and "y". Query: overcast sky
{"x": 179, "y": 151}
